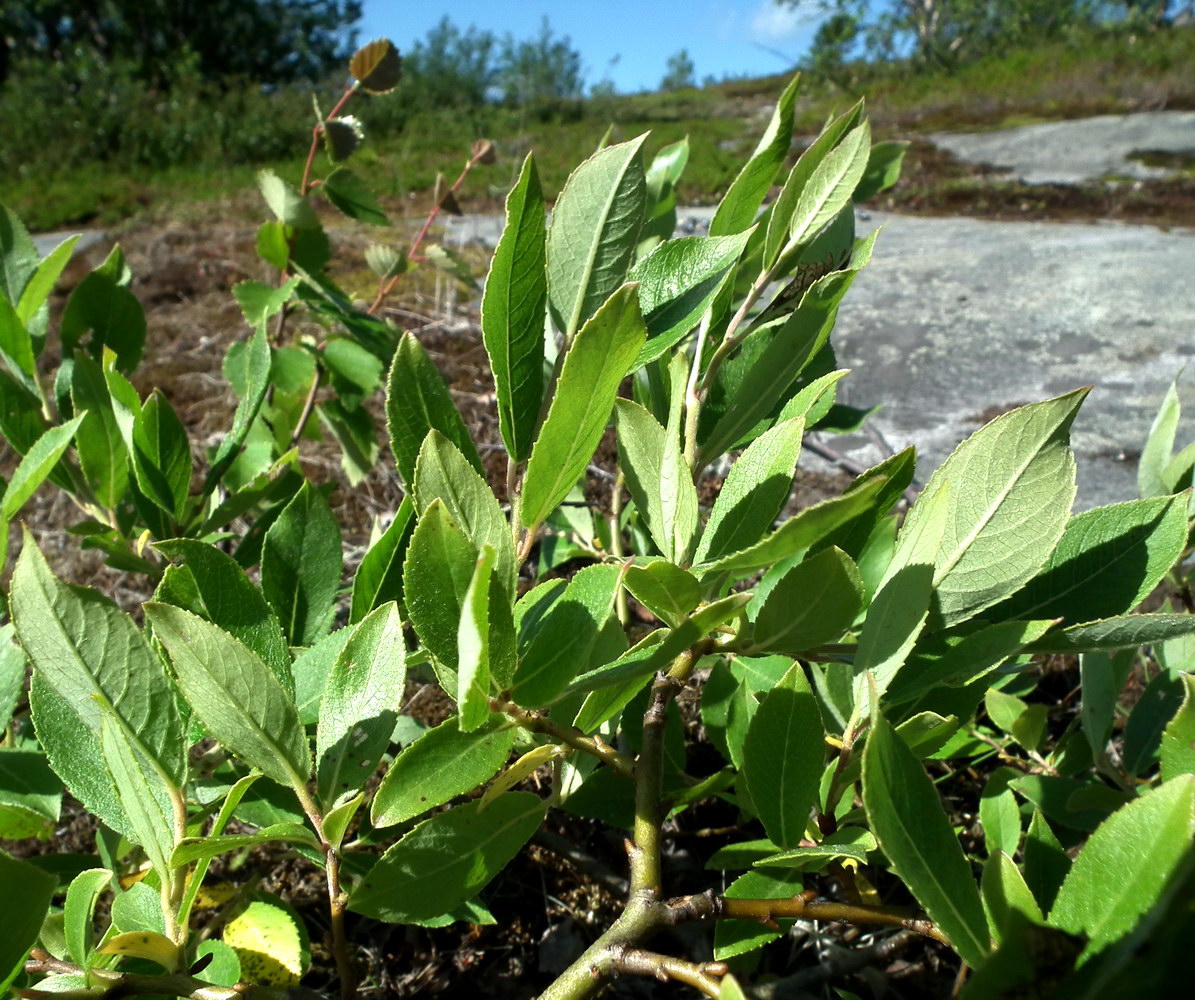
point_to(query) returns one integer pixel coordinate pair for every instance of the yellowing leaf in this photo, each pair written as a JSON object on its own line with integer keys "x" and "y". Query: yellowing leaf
{"x": 148, "y": 945}
{"x": 269, "y": 943}
{"x": 520, "y": 769}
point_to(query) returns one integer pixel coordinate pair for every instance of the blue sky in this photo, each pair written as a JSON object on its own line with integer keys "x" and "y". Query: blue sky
{"x": 626, "y": 41}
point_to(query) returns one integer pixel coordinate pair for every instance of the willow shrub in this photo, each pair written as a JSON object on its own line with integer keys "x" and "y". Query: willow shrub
{"x": 848, "y": 660}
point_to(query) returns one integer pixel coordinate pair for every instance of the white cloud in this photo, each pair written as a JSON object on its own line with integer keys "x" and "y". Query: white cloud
{"x": 770, "y": 23}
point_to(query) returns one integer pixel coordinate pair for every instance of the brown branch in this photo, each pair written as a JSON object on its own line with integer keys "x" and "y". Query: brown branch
{"x": 386, "y": 287}
{"x": 664, "y": 968}
{"x": 803, "y": 906}
{"x": 129, "y": 984}
{"x": 595, "y": 746}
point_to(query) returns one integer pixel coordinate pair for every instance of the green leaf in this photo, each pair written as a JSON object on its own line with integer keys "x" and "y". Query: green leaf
{"x": 83, "y": 646}
{"x": 126, "y": 404}
{"x": 1125, "y": 865}
{"x": 228, "y": 599}
{"x": 473, "y": 646}
{"x": 161, "y": 455}
{"x": 25, "y": 890}
{"x": 41, "y": 282}
{"x": 18, "y": 261}
{"x": 417, "y": 401}
{"x": 731, "y": 698}
{"x": 442, "y": 473}
{"x": 1155, "y": 456}
{"x": 1005, "y": 893}
{"x": 144, "y": 795}
{"x": 667, "y": 591}
{"x": 614, "y": 684}
{"x": 311, "y": 669}
{"x": 1011, "y": 487}
{"x": 813, "y": 603}
{"x": 30, "y": 795}
{"x": 830, "y": 186}
{"x": 436, "y": 575}
{"x": 285, "y": 202}
{"x": 16, "y": 348}
{"x": 729, "y": 989}
{"x": 337, "y": 819}
{"x": 1108, "y": 560}
{"x": 1062, "y": 799}
{"x": 796, "y": 187}
{"x": 898, "y": 610}
{"x": 360, "y": 706}
{"x": 907, "y": 818}
{"x": 1178, "y": 740}
{"x": 598, "y": 359}
{"x": 567, "y": 635}
{"x": 356, "y": 371}
{"x": 99, "y": 443}
{"x": 73, "y": 749}
{"x": 957, "y": 660}
{"x": 736, "y": 857}
{"x": 36, "y": 465}
{"x": 379, "y": 577}
{"x": 446, "y": 859}
{"x": 193, "y": 849}
{"x": 1122, "y": 632}
{"x": 12, "y": 673}
{"x": 795, "y": 342}
{"x": 677, "y": 282}
{"x": 349, "y": 193}
{"x": 272, "y": 245}
{"x": 513, "y": 307}
{"x": 1024, "y": 723}
{"x": 1044, "y": 861}
{"x": 753, "y": 492}
{"x": 437, "y": 767}
{"x": 677, "y": 492}
{"x": 301, "y": 562}
{"x": 641, "y": 444}
{"x": 999, "y": 814}
{"x": 783, "y": 758}
{"x": 747, "y": 191}
{"x": 883, "y": 169}
{"x": 260, "y": 302}
{"x": 797, "y": 534}
{"x": 852, "y": 843}
{"x": 1162, "y": 697}
{"x": 137, "y": 908}
{"x": 738, "y": 937}
{"x": 232, "y": 800}
{"x": 224, "y": 969}
{"x": 111, "y": 313}
{"x": 592, "y": 238}
{"x": 21, "y": 420}
{"x": 1102, "y": 677}
{"x": 78, "y": 912}
{"x": 235, "y": 696}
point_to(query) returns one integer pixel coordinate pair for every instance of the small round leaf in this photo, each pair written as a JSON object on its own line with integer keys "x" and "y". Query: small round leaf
{"x": 342, "y": 136}
{"x": 377, "y": 66}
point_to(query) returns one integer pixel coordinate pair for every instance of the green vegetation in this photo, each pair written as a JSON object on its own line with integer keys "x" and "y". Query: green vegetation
{"x": 846, "y": 687}
{"x": 120, "y": 145}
